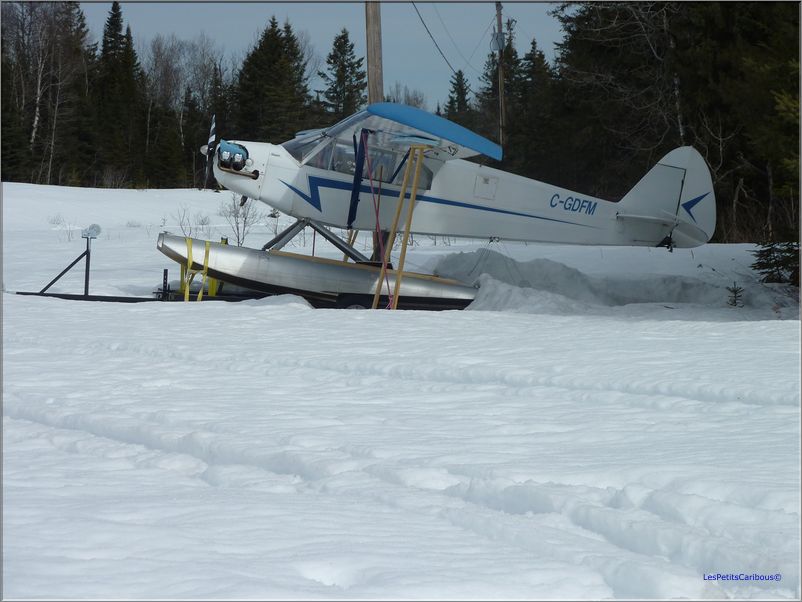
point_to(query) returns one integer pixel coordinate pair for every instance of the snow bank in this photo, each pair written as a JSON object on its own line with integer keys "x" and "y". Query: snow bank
{"x": 547, "y": 286}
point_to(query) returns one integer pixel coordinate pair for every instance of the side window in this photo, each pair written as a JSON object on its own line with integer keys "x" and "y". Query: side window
{"x": 383, "y": 164}
{"x": 424, "y": 180}
{"x": 343, "y": 160}
{"x": 322, "y": 158}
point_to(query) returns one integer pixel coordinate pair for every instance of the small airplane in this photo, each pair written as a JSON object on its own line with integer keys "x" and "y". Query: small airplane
{"x": 312, "y": 176}
{"x": 331, "y": 178}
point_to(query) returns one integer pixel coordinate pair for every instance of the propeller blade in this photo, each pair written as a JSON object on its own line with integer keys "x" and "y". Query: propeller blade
{"x": 210, "y": 148}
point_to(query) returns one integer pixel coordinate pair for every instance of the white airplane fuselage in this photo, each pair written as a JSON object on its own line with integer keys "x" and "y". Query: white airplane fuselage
{"x": 465, "y": 199}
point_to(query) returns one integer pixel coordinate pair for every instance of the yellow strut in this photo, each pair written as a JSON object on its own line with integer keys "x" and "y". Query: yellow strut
{"x": 400, "y": 270}
{"x": 205, "y": 270}
{"x": 415, "y": 157}
{"x": 188, "y": 274}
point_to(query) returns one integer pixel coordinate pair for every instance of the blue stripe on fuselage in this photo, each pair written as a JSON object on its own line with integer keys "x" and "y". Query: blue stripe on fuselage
{"x": 316, "y": 183}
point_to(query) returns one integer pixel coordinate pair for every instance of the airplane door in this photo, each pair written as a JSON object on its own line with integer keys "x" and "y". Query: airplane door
{"x": 485, "y": 187}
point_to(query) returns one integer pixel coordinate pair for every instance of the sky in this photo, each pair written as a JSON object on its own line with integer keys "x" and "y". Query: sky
{"x": 462, "y": 30}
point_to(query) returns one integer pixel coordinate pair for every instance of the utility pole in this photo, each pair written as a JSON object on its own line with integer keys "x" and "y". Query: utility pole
{"x": 373, "y": 38}
{"x": 500, "y": 42}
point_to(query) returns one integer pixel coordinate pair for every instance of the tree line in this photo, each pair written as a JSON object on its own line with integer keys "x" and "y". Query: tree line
{"x": 630, "y": 82}
{"x": 633, "y": 80}
{"x": 80, "y": 113}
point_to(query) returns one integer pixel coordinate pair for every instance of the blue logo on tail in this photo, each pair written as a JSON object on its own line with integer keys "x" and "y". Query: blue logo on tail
{"x": 688, "y": 205}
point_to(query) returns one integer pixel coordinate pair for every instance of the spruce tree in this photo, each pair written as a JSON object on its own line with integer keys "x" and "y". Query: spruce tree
{"x": 12, "y": 135}
{"x": 296, "y": 103}
{"x": 119, "y": 103}
{"x": 345, "y": 80}
{"x": 458, "y": 108}
{"x": 255, "y": 96}
{"x": 271, "y": 91}
{"x": 76, "y": 139}
{"x": 196, "y": 131}
{"x": 617, "y": 85}
{"x": 113, "y": 39}
{"x": 532, "y": 139}
{"x": 131, "y": 86}
{"x": 778, "y": 262}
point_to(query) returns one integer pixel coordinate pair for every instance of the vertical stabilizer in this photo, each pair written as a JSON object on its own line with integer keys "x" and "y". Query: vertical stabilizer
{"x": 678, "y": 188}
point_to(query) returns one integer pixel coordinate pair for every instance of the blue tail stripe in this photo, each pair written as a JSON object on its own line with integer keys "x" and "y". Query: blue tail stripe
{"x": 688, "y": 205}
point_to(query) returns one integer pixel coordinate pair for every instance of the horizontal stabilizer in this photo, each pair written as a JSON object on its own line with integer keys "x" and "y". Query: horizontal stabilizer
{"x": 683, "y": 233}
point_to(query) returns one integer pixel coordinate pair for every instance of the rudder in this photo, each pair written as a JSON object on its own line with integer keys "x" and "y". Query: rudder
{"x": 678, "y": 192}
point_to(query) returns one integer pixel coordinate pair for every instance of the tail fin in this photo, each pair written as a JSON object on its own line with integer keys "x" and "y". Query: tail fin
{"x": 678, "y": 194}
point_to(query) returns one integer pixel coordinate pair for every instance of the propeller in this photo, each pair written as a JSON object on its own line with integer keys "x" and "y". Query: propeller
{"x": 210, "y": 147}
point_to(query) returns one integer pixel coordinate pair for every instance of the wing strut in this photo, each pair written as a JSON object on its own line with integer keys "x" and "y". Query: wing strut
{"x": 413, "y": 165}
{"x": 359, "y": 151}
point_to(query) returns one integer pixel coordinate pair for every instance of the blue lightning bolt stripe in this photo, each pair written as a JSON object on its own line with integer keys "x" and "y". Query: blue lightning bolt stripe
{"x": 688, "y": 205}
{"x": 316, "y": 183}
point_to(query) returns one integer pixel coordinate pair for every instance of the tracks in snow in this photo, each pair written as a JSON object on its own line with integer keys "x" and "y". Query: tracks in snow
{"x": 636, "y": 535}
{"x": 515, "y": 379}
{"x": 656, "y": 533}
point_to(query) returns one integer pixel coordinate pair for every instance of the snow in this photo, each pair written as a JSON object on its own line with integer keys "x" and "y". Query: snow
{"x": 599, "y": 423}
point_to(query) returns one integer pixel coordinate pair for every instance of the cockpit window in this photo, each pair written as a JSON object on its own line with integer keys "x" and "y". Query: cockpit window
{"x": 300, "y": 147}
{"x": 324, "y": 152}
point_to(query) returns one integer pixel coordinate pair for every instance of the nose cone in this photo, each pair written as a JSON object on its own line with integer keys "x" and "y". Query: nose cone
{"x": 240, "y": 166}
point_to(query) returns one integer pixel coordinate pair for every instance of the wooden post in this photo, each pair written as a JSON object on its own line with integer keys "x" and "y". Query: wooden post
{"x": 501, "y": 117}
{"x": 373, "y": 27}
{"x": 373, "y": 38}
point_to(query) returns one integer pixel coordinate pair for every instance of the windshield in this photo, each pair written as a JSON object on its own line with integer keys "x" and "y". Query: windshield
{"x": 303, "y": 145}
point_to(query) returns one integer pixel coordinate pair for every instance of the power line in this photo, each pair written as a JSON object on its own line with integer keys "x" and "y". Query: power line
{"x": 467, "y": 62}
{"x": 489, "y": 25}
{"x": 436, "y": 45}
{"x": 467, "y": 85}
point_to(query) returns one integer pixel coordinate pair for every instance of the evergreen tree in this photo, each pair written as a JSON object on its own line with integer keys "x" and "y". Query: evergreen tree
{"x": 75, "y": 139}
{"x": 131, "y": 86}
{"x": 119, "y": 105}
{"x": 271, "y": 89}
{"x": 345, "y": 80}
{"x": 295, "y": 66}
{"x": 220, "y": 94}
{"x": 619, "y": 83}
{"x": 778, "y": 262}
{"x": 196, "y": 130}
{"x": 458, "y": 108}
{"x": 637, "y": 80}
{"x": 533, "y": 138}
{"x": 113, "y": 40}
{"x": 12, "y": 135}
